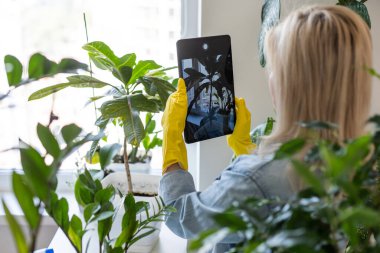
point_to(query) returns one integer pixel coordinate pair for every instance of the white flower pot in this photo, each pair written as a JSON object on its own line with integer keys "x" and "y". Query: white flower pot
{"x": 142, "y": 184}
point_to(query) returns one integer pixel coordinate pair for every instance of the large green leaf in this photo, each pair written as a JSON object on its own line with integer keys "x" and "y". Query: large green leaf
{"x": 141, "y": 68}
{"x": 75, "y": 232}
{"x": 16, "y": 230}
{"x": 106, "y": 154}
{"x": 359, "y": 8}
{"x": 270, "y": 16}
{"x": 70, "y": 132}
{"x": 24, "y": 197}
{"x": 122, "y": 106}
{"x": 102, "y": 55}
{"x": 48, "y": 140}
{"x": 40, "y": 66}
{"x": 128, "y": 60}
{"x": 36, "y": 171}
{"x": 76, "y": 81}
{"x": 61, "y": 214}
{"x": 133, "y": 128}
{"x": 13, "y": 67}
{"x": 156, "y": 85}
{"x": 123, "y": 73}
{"x": 290, "y": 148}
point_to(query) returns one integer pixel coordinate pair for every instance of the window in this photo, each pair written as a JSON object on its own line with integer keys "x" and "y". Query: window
{"x": 56, "y": 29}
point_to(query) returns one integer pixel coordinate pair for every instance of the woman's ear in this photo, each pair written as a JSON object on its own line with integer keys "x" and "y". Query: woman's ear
{"x": 271, "y": 84}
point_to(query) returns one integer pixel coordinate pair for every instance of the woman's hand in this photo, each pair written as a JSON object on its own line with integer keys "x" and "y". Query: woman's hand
{"x": 240, "y": 140}
{"x": 173, "y": 124}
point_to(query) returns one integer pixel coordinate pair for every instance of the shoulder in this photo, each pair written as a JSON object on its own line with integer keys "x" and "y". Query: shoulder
{"x": 269, "y": 175}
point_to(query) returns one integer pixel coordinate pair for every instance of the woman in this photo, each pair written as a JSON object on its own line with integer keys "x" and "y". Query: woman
{"x": 317, "y": 59}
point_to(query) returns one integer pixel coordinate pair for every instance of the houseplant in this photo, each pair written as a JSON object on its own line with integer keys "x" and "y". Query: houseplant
{"x": 139, "y": 87}
{"x": 336, "y": 212}
{"x": 35, "y": 191}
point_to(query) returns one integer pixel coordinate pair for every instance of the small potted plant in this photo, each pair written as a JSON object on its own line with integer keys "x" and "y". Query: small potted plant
{"x": 140, "y": 87}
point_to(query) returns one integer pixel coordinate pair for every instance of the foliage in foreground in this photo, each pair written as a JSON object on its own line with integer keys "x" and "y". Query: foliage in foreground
{"x": 35, "y": 191}
{"x": 338, "y": 210}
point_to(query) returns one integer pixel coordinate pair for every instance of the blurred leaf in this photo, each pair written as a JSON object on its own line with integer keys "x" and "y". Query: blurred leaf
{"x": 107, "y": 153}
{"x": 48, "y": 140}
{"x": 36, "y": 171}
{"x": 270, "y": 16}
{"x": 60, "y": 213}
{"x": 156, "y": 85}
{"x": 233, "y": 221}
{"x": 13, "y": 68}
{"x": 70, "y": 132}
{"x": 76, "y": 81}
{"x": 134, "y": 128}
{"x": 40, "y": 66}
{"x": 24, "y": 197}
{"x": 141, "y": 68}
{"x": 373, "y": 72}
{"x": 16, "y": 230}
{"x": 360, "y": 216}
{"x": 318, "y": 125}
{"x": 360, "y": 9}
{"x": 102, "y": 216}
{"x": 68, "y": 65}
{"x": 308, "y": 176}
{"x": 289, "y": 148}
{"x": 123, "y": 73}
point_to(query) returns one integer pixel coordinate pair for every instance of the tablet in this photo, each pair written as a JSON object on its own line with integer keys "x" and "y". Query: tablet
{"x": 205, "y": 64}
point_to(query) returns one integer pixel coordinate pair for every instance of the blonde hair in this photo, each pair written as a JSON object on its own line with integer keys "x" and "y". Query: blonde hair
{"x": 318, "y": 58}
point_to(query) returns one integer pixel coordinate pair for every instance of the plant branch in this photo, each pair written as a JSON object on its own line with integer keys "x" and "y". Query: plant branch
{"x": 126, "y": 166}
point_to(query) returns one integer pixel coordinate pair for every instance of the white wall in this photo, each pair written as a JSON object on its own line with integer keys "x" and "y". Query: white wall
{"x": 241, "y": 19}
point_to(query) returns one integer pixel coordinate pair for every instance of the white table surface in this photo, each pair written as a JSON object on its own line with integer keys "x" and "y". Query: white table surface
{"x": 167, "y": 243}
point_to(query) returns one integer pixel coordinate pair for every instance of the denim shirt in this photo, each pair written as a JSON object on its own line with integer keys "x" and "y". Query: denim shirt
{"x": 248, "y": 176}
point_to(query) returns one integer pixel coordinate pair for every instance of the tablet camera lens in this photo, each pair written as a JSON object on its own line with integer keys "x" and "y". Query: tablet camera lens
{"x": 205, "y": 46}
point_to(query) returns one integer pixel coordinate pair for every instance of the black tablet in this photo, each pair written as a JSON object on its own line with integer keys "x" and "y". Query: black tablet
{"x": 205, "y": 64}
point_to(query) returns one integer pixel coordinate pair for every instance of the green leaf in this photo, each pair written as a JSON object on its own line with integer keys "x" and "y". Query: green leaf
{"x": 90, "y": 210}
{"x": 105, "y": 195}
{"x": 77, "y": 81}
{"x": 270, "y": 16}
{"x": 70, "y": 132}
{"x": 13, "y": 68}
{"x": 60, "y": 213}
{"x": 289, "y": 148}
{"x": 16, "y": 230}
{"x": 68, "y": 65}
{"x": 40, "y": 66}
{"x": 107, "y": 153}
{"x": 156, "y": 85}
{"x": 75, "y": 232}
{"x": 141, "y": 68}
{"x": 363, "y": 216}
{"x": 102, "y": 54}
{"x": 128, "y": 60}
{"x": 48, "y": 140}
{"x": 360, "y": 9}
{"x": 133, "y": 128}
{"x": 24, "y": 197}
{"x": 308, "y": 176}
{"x": 122, "y": 106}
{"x": 36, "y": 171}
{"x": 102, "y": 216}
{"x": 141, "y": 236}
{"x": 123, "y": 73}
{"x": 318, "y": 125}
{"x": 233, "y": 221}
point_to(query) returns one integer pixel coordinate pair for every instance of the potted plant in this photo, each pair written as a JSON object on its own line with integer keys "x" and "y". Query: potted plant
{"x": 140, "y": 87}
{"x": 35, "y": 191}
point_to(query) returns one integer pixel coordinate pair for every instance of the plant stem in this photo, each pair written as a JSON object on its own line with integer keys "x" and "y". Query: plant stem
{"x": 34, "y": 232}
{"x": 126, "y": 166}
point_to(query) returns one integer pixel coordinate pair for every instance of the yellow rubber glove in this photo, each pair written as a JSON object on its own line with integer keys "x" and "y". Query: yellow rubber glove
{"x": 173, "y": 125}
{"x": 240, "y": 140}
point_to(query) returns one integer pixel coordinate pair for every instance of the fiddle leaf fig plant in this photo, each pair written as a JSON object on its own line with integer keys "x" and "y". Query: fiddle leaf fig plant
{"x": 139, "y": 87}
